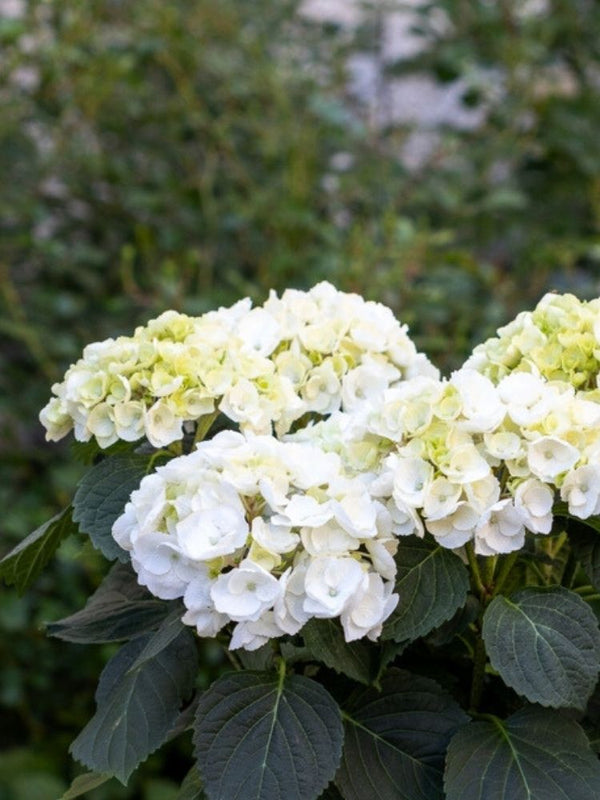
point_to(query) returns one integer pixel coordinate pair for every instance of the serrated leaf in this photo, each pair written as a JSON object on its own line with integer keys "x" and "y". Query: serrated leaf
{"x": 263, "y": 737}
{"x": 136, "y": 708}
{"x": 25, "y": 562}
{"x": 169, "y": 630}
{"x": 432, "y": 583}
{"x": 119, "y": 609}
{"x": 101, "y": 497}
{"x": 396, "y": 740}
{"x": 325, "y": 640}
{"x": 191, "y": 788}
{"x": 84, "y": 784}
{"x": 545, "y": 644}
{"x": 536, "y": 754}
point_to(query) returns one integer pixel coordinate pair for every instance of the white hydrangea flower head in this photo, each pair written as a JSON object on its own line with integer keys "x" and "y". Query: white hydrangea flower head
{"x": 260, "y": 532}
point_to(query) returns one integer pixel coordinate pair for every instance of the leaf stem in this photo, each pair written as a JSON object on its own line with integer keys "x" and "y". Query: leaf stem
{"x": 507, "y": 565}
{"x": 475, "y": 572}
{"x": 570, "y": 570}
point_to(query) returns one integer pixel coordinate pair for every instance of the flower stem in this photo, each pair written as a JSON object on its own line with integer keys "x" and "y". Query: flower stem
{"x": 507, "y": 565}
{"x": 475, "y": 572}
{"x": 478, "y": 674}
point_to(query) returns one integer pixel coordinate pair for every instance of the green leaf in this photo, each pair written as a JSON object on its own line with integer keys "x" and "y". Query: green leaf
{"x": 536, "y": 754}
{"x": 119, "y": 609}
{"x": 562, "y": 510}
{"x": 263, "y": 737}
{"x": 84, "y": 784}
{"x": 25, "y": 562}
{"x": 101, "y": 497}
{"x": 545, "y": 644}
{"x": 191, "y": 788}
{"x": 325, "y": 640}
{"x": 432, "y": 583}
{"x": 137, "y": 706}
{"x": 396, "y": 740}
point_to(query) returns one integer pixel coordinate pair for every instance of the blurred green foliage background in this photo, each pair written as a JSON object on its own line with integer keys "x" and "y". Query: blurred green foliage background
{"x": 183, "y": 154}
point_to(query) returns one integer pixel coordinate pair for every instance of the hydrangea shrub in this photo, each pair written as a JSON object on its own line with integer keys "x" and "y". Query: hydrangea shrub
{"x": 403, "y": 567}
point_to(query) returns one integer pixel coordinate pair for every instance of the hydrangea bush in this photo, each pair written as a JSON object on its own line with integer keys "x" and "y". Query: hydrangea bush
{"x": 403, "y": 568}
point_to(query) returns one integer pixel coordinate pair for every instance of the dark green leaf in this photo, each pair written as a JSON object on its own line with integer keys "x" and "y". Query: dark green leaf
{"x": 84, "y": 784}
{"x": 101, "y": 497}
{"x": 259, "y": 660}
{"x": 536, "y": 754}
{"x": 325, "y": 640}
{"x": 136, "y": 707}
{"x": 169, "y": 630}
{"x": 396, "y": 740}
{"x": 545, "y": 644}
{"x": 263, "y": 737}
{"x": 432, "y": 583}
{"x": 23, "y": 564}
{"x": 191, "y": 788}
{"x": 562, "y": 510}
{"x": 119, "y": 609}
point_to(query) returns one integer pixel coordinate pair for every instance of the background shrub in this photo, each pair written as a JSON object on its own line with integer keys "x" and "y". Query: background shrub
{"x": 183, "y": 154}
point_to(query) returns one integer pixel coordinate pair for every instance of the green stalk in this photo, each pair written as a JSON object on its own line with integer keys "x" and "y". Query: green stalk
{"x": 507, "y": 564}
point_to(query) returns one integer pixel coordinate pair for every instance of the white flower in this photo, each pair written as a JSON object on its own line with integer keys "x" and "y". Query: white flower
{"x": 162, "y": 425}
{"x": 242, "y": 403}
{"x": 504, "y": 444}
{"x": 549, "y": 456}
{"x": 501, "y": 530}
{"x": 212, "y": 532}
{"x": 129, "y": 420}
{"x": 581, "y": 490}
{"x": 304, "y": 510}
{"x": 201, "y": 612}
{"x": 289, "y": 606}
{"x": 527, "y": 397}
{"x": 356, "y": 513}
{"x": 274, "y": 538}
{"x": 161, "y": 566}
{"x": 368, "y": 609}
{"x": 482, "y": 409}
{"x": 56, "y": 419}
{"x": 367, "y": 383}
{"x": 330, "y": 583}
{"x": 535, "y": 500}
{"x": 328, "y": 540}
{"x": 466, "y": 464}
{"x": 405, "y": 520}
{"x": 253, "y": 634}
{"x": 101, "y": 423}
{"x": 441, "y": 498}
{"x": 456, "y": 529}
{"x": 482, "y": 494}
{"x": 245, "y": 592}
{"x": 412, "y": 477}
{"x": 259, "y": 331}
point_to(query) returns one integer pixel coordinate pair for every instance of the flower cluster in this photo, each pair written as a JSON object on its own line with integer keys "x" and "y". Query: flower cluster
{"x": 482, "y": 463}
{"x": 265, "y": 367}
{"x": 559, "y": 340}
{"x": 266, "y": 534}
